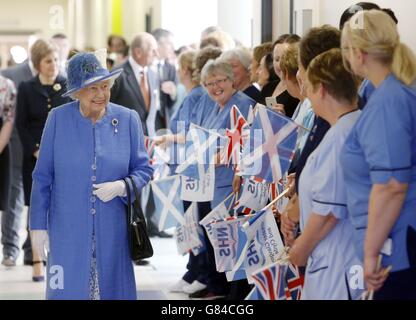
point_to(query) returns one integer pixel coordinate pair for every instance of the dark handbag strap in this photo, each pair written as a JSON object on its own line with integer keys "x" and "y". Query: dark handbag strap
{"x": 129, "y": 204}
{"x": 138, "y": 210}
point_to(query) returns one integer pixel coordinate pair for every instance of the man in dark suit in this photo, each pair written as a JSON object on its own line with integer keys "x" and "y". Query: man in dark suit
{"x": 11, "y": 219}
{"x": 137, "y": 88}
{"x": 166, "y": 71}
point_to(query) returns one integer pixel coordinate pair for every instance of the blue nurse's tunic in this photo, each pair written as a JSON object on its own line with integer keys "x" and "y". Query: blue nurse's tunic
{"x": 219, "y": 119}
{"x": 322, "y": 191}
{"x": 381, "y": 147}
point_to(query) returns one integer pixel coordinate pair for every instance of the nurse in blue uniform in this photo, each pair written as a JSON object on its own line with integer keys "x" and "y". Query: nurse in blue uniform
{"x": 325, "y": 244}
{"x": 379, "y": 157}
{"x": 217, "y": 77}
{"x": 78, "y": 196}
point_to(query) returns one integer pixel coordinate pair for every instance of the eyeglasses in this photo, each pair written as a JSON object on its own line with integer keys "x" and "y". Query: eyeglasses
{"x": 212, "y": 84}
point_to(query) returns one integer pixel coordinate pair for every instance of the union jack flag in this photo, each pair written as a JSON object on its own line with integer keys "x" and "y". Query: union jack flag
{"x": 295, "y": 281}
{"x": 237, "y": 134}
{"x": 150, "y": 145}
{"x": 270, "y": 282}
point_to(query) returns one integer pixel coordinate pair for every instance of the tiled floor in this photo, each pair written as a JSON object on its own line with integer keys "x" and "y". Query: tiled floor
{"x": 152, "y": 281}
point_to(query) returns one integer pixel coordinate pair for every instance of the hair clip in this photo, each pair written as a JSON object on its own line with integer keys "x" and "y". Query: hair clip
{"x": 114, "y": 122}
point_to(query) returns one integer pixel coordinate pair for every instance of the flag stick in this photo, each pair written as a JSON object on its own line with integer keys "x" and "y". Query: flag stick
{"x": 277, "y": 199}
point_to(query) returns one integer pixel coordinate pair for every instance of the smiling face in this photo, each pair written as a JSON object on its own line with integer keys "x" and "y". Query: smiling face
{"x": 95, "y": 98}
{"x": 220, "y": 88}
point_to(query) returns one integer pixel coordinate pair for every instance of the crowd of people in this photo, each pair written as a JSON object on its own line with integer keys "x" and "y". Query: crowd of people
{"x": 82, "y": 129}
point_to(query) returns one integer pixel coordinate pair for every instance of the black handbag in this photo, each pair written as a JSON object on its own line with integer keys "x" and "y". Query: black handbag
{"x": 140, "y": 245}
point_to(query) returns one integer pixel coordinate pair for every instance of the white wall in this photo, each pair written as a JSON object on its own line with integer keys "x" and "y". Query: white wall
{"x": 281, "y": 17}
{"x": 235, "y": 17}
{"x": 329, "y": 12}
{"x": 187, "y": 18}
{"x": 33, "y": 16}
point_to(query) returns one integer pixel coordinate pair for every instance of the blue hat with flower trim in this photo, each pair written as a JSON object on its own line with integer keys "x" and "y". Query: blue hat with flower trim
{"x": 85, "y": 69}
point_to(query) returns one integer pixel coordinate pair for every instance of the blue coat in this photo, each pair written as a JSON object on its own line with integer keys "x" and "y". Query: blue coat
{"x": 220, "y": 120}
{"x": 75, "y": 154}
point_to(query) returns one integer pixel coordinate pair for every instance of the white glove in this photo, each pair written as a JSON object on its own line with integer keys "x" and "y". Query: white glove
{"x": 109, "y": 190}
{"x": 40, "y": 243}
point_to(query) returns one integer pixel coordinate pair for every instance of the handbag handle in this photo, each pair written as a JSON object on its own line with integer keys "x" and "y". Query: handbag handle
{"x": 129, "y": 204}
{"x": 139, "y": 210}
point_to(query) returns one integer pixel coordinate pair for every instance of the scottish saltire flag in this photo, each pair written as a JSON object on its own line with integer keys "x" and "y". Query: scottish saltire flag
{"x": 254, "y": 197}
{"x": 270, "y": 282}
{"x": 187, "y": 236}
{"x": 265, "y": 244}
{"x": 202, "y": 147}
{"x": 271, "y": 147}
{"x": 168, "y": 205}
{"x": 237, "y": 135}
{"x": 254, "y": 295}
{"x": 228, "y": 247}
{"x": 294, "y": 282}
{"x": 220, "y": 212}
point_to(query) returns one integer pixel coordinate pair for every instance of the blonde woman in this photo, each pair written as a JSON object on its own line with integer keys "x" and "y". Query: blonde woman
{"x": 379, "y": 157}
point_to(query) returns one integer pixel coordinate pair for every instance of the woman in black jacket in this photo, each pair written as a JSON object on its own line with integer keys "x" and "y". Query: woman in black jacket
{"x": 35, "y": 99}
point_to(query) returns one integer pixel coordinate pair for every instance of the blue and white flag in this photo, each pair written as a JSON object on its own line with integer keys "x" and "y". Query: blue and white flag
{"x": 220, "y": 212}
{"x": 254, "y": 197}
{"x": 271, "y": 148}
{"x": 238, "y": 272}
{"x": 228, "y": 247}
{"x": 202, "y": 147}
{"x": 254, "y": 295}
{"x": 168, "y": 205}
{"x": 265, "y": 245}
{"x": 187, "y": 236}
{"x": 202, "y": 190}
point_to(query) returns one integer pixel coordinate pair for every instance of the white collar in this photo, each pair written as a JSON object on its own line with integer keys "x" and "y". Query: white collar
{"x": 137, "y": 68}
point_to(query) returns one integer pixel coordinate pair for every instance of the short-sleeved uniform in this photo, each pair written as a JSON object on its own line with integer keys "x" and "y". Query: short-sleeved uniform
{"x": 381, "y": 147}
{"x": 322, "y": 191}
{"x": 219, "y": 119}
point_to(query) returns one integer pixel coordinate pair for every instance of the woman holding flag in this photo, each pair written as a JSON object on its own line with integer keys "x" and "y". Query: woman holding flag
{"x": 218, "y": 80}
{"x": 325, "y": 245}
{"x": 190, "y": 66}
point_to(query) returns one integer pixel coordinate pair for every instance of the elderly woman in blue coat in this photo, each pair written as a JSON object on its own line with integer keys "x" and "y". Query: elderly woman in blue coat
{"x": 77, "y": 205}
{"x": 379, "y": 157}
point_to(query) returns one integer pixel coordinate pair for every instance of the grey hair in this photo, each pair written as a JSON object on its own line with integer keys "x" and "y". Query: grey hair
{"x": 141, "y": 41}
{"x": 214, "y": 67}
{"x": 243, "y": 55}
